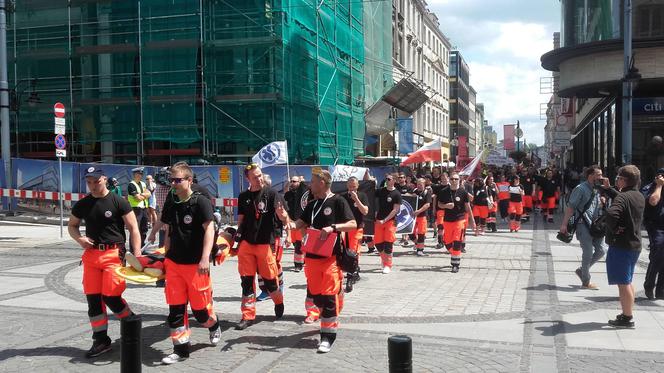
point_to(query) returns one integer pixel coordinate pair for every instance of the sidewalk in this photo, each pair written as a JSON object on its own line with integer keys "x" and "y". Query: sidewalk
{"x": 516, "y": 305}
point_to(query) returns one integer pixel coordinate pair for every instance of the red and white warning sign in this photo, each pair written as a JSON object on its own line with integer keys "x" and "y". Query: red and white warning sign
{"x": 59, "y": 110}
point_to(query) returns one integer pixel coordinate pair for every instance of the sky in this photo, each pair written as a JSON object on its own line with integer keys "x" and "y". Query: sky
{"x": 502, "y": 42}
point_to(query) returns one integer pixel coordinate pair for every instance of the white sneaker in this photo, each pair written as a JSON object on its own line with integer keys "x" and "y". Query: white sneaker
{"x": 215, "y": 336}
{"x": 324, "y": 347}
{"x": 386, "y": 270}
{"x": 172, "y": 359}
{"x": 420, "y": 253}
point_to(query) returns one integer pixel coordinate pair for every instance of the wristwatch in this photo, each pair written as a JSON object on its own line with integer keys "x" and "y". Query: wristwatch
{"x": 334, "y": 227}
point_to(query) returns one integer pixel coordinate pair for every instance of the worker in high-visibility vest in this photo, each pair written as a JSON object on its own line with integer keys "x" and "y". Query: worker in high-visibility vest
{"x": 138, "y": 195}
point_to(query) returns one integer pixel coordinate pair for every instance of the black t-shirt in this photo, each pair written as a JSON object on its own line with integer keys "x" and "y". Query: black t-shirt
{"x": 321, "y": 213}
{"x": 481, "y": 196}
{"x": 438, "y": 191}
{"x": 359, "y": 218}
{"x": 515, "y": 193}
{"x": 548, "y": 187}
{"x": 258, "y": 209}
{"x": 459, "y": 197}
{"x": 423, "y": 198}
{"x": 103, "y": 217}
{"x": 528, "y": 182}
{"x": 403, "y": 189}
{"x": 294, "y": 200}
{"x": 386, "y": 201}
{"x": 185, "y": 221}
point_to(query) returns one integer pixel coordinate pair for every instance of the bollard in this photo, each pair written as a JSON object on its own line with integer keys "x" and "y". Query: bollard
{"x": 400, "y": 354}
{"x": 130, "y": 344}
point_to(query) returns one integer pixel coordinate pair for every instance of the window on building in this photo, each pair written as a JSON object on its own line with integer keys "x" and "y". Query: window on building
{"x": 649, "y": 21}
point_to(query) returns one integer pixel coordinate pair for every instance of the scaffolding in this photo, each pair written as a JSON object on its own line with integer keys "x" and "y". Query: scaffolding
{"x": 150, "y": 81}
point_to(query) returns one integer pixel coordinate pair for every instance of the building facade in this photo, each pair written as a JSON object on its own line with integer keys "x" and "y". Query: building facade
{"x": 590, "y": 66}
{"x": 206, "y": 81}
{"x": 460, "y": 102}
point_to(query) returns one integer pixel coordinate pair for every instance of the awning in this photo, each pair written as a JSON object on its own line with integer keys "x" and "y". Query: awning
{"x": 406, "y": 96}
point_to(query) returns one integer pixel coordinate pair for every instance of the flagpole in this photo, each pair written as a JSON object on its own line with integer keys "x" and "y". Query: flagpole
{"x": 287, "y": 162}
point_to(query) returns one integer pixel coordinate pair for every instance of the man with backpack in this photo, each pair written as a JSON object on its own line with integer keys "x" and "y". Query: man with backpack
{"x": 585, "y": 205}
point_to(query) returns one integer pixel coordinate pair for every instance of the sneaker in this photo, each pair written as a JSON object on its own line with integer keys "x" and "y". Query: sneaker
{"x": 590, "y": 286}
{"x": 622, "y": 321}
{"x": 370, "y": 250}
{"x": 455, "y": 269}
{"x": 215, "y": 336}
{"x": 420, "y": 253}
{"x": 310, "y": 320}
{"x": 579, "y": 274}
{"x": 263, "y": 296}
{"x": 349, "y": 287}
{"x": 243, "y": 324}
{"x": 550, "y": 220}
{"x": 172, "y": 359}
{"x": 297, "y": 268}
{"x": 650, "y": 293}
{"x": 324, "y": 347}
{"x": 386, "y": 270}
{"x": 279, "y": 310}
{"x": 99, "y": 348}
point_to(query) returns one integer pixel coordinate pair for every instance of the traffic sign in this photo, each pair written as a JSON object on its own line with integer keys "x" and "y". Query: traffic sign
{"x": 518, "y": 133}
{"x": 60, "y": 153}
{"x": 60, "y": 142}
{"x": 59, "y": 130}
{"x": 59, "y": 121}
{"x": 59, "y": 110}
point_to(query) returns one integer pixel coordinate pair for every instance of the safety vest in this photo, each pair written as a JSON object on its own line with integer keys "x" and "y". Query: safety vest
{"x": 133, "y": 201}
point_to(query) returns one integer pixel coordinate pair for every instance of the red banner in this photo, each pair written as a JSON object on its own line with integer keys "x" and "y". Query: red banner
{"x": 508, "y": 136}
{"x": 463, "y": 146}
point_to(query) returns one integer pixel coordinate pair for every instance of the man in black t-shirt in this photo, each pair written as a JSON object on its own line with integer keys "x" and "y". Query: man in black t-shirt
{"x": 388, "y": 200}
{"x": 293, "y": 198}
{"x": 528, "y": 183}
{"x": 549, "y": 187}
{"x": 438, "y": 191}
{"x": 330, "y": 214}
{"x": 456, "y": 203}
{"x": 359, "y": 205}
{"x": 424, "y": 203}
{"x": 257, "y": 208}
{"x": 188, "y": 244}
{"x": 105, "y": 214}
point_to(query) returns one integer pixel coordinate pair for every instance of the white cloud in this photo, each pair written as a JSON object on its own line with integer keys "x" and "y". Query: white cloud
{"x": 503, "y": 51}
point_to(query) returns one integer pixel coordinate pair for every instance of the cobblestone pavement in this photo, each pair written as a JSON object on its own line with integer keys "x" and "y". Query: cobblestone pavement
{"x": 516, "y": 305}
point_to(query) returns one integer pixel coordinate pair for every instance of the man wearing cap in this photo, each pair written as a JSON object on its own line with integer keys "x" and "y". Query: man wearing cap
{"x": 138, "y": 196}
{"x": 106, "y": 214}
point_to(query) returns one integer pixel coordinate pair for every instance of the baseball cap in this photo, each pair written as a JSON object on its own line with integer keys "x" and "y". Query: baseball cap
{"x": 660, "y": 171}
{"x": 94, "y": 172}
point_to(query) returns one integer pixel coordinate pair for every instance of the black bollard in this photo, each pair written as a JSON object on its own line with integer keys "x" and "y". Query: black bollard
{"x": 400, "y": 354}
{"x": 130, "y": 344}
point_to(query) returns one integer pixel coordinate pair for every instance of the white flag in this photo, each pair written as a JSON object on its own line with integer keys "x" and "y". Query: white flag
{"x": 470, "y": 168}
{"x": 271, "y": 154}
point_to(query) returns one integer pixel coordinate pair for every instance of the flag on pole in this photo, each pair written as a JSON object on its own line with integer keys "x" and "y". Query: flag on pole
{"x": 430, "y": 151}
{"x": 470, "y": 167}
{"x": 271, "y": 154}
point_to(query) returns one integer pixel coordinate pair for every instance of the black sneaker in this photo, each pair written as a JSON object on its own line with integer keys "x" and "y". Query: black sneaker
{"x": 371, "y": 250}
{"x": 98, "y": 348}
{"x": 279, "y": 310}
{"x": 455, "y": 269}
{"x": 243, "y": 324}
{"x": 650, "y": 293}
{"x": 622, "y": 321}
{"x": 298, "y": 268}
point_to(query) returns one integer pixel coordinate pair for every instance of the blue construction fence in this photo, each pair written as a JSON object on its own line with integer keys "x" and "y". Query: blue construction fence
{"x": 222, "y": 181}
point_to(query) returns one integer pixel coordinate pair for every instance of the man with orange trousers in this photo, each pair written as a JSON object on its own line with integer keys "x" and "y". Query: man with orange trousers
{"x": 189, "y": 217}
{"x": 105, "y": 214}
{"x": 456, "y": 203}
{"x": 330, "y": 214}
{"x": 385, "y": 225}
{"x": 359, "y": 205}
{"x": 258, "y": 207}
